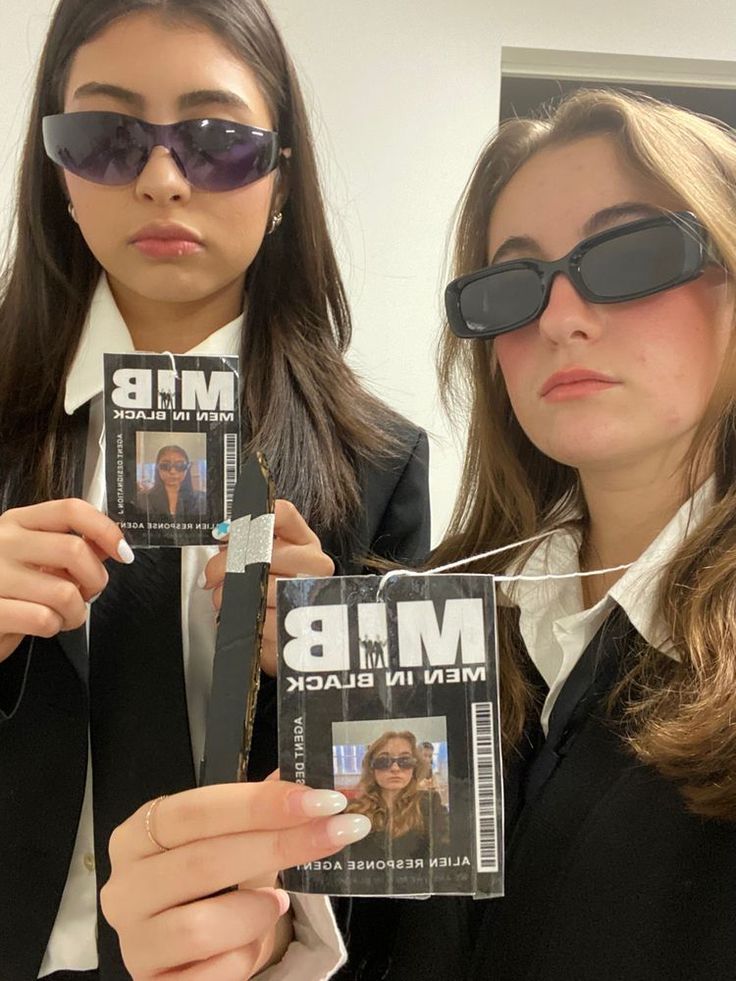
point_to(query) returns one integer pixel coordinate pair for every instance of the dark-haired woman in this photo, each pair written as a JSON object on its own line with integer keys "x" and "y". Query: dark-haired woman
{"x": 173, "y": 493}
{"x": 168, "y": 201}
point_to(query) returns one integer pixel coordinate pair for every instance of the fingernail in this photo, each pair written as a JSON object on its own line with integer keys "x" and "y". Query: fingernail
{"x": 125, "y": 552}
{"x": 320, "y": 803}
{"x": 202, "y": 580}
{"x": 221, "y": 531}
{"x": 284, "y": 900}
{"x": 92, "y": 599}
{"x": 347, "y": 828}
{"x": 281, "y": 897}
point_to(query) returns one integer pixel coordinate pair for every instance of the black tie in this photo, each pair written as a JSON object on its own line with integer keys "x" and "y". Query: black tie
{"x": 138, "y": 711}
{"x": 592, "y": 676}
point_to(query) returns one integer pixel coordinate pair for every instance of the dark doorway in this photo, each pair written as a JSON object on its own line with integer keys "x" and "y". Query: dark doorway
{"x": 522, "y": 95}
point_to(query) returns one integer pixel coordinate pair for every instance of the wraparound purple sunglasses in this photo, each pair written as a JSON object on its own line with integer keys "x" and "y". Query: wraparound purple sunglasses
{"x": 110, "y": 148}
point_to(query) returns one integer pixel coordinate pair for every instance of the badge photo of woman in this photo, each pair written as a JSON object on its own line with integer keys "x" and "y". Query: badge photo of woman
{"x": 172, "y": 493}
{"x": 168, "y": 201}
{"x": 406, "y": 820}
{"x": 592, "y": 329}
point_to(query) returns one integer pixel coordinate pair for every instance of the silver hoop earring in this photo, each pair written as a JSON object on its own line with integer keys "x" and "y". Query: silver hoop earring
{"x": 72, "y": 212}
{"x": 275, "y": 222}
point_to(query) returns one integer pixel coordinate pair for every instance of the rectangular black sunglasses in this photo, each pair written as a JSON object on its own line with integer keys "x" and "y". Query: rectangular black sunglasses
{"x": 385, "y": 762}
{"x": 627, "y": 262}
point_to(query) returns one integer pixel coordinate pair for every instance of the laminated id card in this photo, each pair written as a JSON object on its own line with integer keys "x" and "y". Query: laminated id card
{"x": 388, "y": 692}
{"x": 172, "y": 444}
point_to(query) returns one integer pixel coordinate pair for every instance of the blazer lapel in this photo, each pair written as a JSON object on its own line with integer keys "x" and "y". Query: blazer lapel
{"x": 588, "y": 760}
{"x": 544, "y": 844}
{"x": 74, "y": 645}
{"x": 43, "y": 754}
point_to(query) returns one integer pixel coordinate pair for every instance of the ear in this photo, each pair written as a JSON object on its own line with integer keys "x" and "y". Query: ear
{"x": 61, "y": 177}
{"x": 282, "y": 182}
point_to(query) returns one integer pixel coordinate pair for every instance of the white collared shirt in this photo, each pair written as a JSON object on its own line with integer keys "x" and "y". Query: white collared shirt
{"x": 318, "y": 949}
{"x": 553, "y": 623}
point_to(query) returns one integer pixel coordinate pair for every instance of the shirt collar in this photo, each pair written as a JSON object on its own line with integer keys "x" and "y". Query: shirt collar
{"x": 636, "y": 592}
{"x": 105, "y": 332}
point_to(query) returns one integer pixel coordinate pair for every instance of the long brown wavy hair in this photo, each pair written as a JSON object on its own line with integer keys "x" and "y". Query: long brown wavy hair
{"x": 302, "y": 405}
{"x": 406, "y": 813}
{"x": 678, "y": 715}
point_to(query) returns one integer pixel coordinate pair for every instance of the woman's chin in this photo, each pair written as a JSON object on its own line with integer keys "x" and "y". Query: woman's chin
{"x": 583, "y": 449}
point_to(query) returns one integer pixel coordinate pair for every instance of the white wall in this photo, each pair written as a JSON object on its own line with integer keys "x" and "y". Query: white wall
{"x": 403, "y": 94}
{"x": 23, "y": 24}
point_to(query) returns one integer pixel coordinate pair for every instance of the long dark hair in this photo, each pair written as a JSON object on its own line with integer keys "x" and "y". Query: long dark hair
{"x": 186, "y": 488}
{"x": 156, "y": 500}
{"x": 302, "y": 405}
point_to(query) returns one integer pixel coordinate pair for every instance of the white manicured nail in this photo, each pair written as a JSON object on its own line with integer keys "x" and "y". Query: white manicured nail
{"x": 322, "y": 803}
{"x": 125, "y": 552}
{"x": 202, "y": 579}
{"x": 347, "y": 828}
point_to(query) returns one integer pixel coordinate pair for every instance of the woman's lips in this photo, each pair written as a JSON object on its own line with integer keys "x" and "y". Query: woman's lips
{"x": 166, "y": 241}
{"x": 167, "y": 248}
{"x": 575, "y": 383}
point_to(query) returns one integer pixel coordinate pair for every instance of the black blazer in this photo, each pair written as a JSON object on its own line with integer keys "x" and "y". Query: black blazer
{"x": 608, "y": 878}
{"x": 44, "y": 715}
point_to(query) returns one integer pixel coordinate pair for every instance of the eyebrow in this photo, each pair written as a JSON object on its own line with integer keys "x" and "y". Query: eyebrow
{"x": 190, "y": 100}
{"x": 524, "y": 245}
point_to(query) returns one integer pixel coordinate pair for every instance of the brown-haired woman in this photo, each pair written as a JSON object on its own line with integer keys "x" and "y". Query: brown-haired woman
{"x": 174, "y": 206}
{"x": 404, "y": 818}
{"x": 596, "y": 256}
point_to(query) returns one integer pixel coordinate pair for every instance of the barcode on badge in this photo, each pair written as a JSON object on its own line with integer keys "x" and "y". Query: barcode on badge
{"x": 486, "y": 831}
{"x": 230, "y": 457}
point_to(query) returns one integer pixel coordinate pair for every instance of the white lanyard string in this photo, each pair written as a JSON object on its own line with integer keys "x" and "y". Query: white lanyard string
{"x": 172, "y": 360}
{"x": 487, "y": 555}
{"x": 498, "y": 551}
{"x": 564, "y": 575}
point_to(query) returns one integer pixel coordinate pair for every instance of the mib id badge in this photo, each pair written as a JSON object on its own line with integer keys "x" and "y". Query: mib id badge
{"x": 172, "y": 444}
{"x": 391, "y": 697}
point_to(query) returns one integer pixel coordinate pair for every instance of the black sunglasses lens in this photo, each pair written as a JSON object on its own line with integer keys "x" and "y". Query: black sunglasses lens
{"x": 103, "y": 147}
{"x": 640, "y": 262}
{"x": 500, "y": 300}
{"x": 217, "y": 155}
{"x": 385, "y": 762}
{"x": 108, "y": 148}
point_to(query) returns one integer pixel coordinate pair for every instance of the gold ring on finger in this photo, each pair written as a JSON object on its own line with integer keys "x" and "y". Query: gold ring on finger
{"x": 149, "y": 824}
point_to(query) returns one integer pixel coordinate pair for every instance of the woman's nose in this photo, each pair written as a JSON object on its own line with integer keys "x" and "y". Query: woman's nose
{"x": 161, "y": 180}
{"x": 567, "y": 315}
